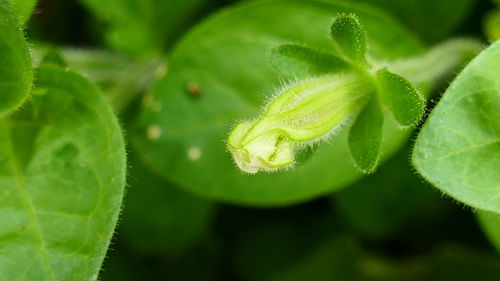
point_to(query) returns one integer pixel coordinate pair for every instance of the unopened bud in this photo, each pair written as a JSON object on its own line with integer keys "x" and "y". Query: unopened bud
{"x": 301, "y": 114}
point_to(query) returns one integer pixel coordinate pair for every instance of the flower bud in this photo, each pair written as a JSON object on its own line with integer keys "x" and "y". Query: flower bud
{"x": 300, "y": 114}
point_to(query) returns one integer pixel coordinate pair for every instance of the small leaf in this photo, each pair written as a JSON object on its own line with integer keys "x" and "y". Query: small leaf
{"x": 299, "y": 61}
{"x": 365, "y": 137}
{"x": 16, "y": 73}
{"x": 458, "y": 148}
{"x": 402, "y": 99}
{"x": 62, "y": 177}
{"x": 350, "y": 38}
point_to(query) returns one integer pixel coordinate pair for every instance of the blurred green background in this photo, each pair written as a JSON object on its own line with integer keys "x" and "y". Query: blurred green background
{"x": 387, "y": 226}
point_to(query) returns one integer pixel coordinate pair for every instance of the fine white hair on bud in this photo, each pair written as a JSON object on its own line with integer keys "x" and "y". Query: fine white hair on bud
{"x": 299, "y": 115}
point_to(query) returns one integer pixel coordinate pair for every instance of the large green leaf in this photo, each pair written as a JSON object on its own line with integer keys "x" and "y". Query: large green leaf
{"x": 62, "y": 176}
{"x": 458, "y": 149}
{"x": 15, "y": 64}
{"x": 220, "y": 74}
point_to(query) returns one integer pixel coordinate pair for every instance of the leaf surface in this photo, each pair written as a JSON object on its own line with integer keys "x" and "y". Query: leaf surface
{"x": 402, "y": 99}
{"x": 365, "y": 137}
{"x": 295, "y": 61}
{"x": 458, "y": 148}
{"x": 350, "y": 37}
{"x": 62, "y": 176}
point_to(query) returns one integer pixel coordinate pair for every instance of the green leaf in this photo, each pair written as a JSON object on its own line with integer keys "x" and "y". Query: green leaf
{"x": 405, "y": 102}
{"x": 23, "y": 8}
{"x": 295, "y": 61}
{"x": 365, "y": 137}
{"x": 120, "y": 78}
{"x": 350, "y": 38}
{"x": 458, "y": 148}
{"x": 490, "y": 223}
{"x": 215, "y": 80}
{"x": 158, "y": 217}
{"x": 62, "y": 177}
{"x": 16, "y": 74}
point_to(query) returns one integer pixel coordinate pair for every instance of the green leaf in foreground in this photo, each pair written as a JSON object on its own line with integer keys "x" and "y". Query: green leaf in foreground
{"x": 458, "y": 149}
{"x": 16, "y": 74}
{"x": 365, "y": 137}
{"x": 62, "y": 176}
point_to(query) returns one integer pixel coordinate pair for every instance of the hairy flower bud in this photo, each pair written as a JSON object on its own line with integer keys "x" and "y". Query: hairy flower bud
{"x": 300, "y": 114}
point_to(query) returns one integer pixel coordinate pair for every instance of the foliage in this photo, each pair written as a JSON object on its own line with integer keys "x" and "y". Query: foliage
{"x": 267, "y": 140}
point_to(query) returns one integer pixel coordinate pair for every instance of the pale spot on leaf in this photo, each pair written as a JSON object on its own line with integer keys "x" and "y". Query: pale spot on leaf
{"x": 194, "y": 153}
{"x": 154, "y": 132}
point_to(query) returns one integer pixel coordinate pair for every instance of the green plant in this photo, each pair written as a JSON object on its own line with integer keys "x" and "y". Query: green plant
{"x": 239, "y": 126}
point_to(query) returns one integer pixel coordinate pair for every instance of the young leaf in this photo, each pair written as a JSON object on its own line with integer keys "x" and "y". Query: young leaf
{"x": 62, "y": 177}
{"x": 16, "y": 74}
{"x": 402, "y": 99}
{"x": 458, "y": 148}
{"x": 350, "y": 38}
{"x": 297, "y": 61}
{"x": 365, "y": 137}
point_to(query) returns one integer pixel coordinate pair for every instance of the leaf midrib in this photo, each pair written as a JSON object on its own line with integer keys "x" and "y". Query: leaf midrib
{"x": 20, "y": 182}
